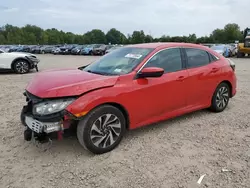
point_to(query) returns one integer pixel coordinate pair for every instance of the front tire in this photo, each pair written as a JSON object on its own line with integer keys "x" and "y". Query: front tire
{"x": 21, "y": 66}
{"x": 240, "y": 55}
{"x": 22, "y": 117}
{"x": 220, "y": 98}
{"x": 102, "y": 129}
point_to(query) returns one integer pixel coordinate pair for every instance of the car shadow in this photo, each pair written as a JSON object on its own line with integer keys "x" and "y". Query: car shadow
{"x": 166, "y": 123}
{"x": 71, "y": 144}
{"x": 7, "y": 72}
{"x": 11, "y": 72}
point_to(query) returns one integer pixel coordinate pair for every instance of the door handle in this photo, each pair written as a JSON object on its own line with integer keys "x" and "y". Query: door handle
{"x": 181, "y": 78}
{"x": 214, "y": 70}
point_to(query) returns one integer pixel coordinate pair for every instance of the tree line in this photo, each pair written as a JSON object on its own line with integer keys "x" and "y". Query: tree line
{"x": 32, "y": 34}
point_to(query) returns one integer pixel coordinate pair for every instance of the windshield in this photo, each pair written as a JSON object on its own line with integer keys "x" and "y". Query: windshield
{"x": 121, "y": 61}
{"x": 217, "y": 47}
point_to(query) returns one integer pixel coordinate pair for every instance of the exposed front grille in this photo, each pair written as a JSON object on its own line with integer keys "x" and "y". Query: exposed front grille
{"x": 34, "y": 125}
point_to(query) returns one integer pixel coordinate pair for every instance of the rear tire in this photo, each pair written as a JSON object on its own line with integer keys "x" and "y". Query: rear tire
{"x": 102, "y": 129}
{"x": 21, "y": 66}
{"x": 220, "y": 98}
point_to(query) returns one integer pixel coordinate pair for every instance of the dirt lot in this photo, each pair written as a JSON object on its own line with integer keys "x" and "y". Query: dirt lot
{"x": 174, "y": 153}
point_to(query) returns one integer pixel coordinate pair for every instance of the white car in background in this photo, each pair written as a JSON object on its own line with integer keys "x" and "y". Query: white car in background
{"x": 20, "y": 62}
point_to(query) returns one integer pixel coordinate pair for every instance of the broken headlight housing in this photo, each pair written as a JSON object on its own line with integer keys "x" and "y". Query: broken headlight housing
{"x": 51, "y": 106}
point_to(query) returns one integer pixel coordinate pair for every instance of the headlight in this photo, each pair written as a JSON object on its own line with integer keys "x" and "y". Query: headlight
{"x": 52, "y": 106}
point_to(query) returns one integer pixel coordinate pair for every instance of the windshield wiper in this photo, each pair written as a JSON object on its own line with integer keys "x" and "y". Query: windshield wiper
{"x": 100, "y": 73}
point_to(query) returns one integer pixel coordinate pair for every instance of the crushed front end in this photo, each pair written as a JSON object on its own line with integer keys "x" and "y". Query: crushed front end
{"x": 46, "y": 119}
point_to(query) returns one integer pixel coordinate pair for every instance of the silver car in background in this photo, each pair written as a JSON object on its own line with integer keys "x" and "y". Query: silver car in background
{"x": 222, "y": 49}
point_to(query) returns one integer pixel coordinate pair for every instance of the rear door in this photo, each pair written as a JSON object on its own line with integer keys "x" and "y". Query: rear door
{"x": 204, "y": 71}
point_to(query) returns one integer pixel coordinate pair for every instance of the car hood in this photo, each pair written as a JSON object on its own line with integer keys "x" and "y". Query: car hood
{"x": 67, "y": 82}
{"x": 23, "y": 53}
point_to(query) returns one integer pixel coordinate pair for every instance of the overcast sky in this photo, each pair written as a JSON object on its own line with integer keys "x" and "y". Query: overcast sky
{"x": 176, "y": 17}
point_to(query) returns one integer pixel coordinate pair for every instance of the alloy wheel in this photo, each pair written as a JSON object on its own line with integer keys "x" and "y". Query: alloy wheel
{"x": 222, "y": 97}
{"x": 105, "y": 130}
{"x": 22, "y": 67}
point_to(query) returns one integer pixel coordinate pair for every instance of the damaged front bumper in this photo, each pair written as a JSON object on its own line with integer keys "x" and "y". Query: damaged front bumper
{"x": 33, "y": 62}
{"x": 45, "y": 128}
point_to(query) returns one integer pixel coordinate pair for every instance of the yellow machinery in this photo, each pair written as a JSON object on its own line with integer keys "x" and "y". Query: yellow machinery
{"x": 244, "y": 48}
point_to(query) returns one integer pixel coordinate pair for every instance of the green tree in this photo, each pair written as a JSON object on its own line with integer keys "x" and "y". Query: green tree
{"x": 218, "y": 36}
{"x": 148, "y": 39}
{"x": 232, "y": 32}
{"x": 2, "y": 39}
{"x": 164, "y": 38}
{"x": 138, "y": 37}
{"x": 95, "y": 36}
{"x": 191, "y": 38}
{"x": 32, "y": 34}
{"x": 114, "y": 36}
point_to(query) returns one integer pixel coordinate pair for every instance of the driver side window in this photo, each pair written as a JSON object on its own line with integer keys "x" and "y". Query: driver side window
{"x": 169, "y": 60}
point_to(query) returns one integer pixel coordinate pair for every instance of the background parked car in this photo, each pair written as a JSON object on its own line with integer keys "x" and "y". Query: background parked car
{"x": 36, "y": 50}
{"x": 48, "y": 49}
{"x": 19, "y": 62}
{"x": 99, "y": 50}
{"x": 232, "y": 49}
{"x": 113, "y": 48}
{"x": 88, "y": 50}
{"x": 222, "y": 49}
{"x": 56, "y": 51}
{"x": 13, "y": 49}
{"x": 76, "y": 50}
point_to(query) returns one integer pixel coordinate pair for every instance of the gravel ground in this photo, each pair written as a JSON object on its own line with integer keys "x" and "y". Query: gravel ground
{"x": 170, "y": 154}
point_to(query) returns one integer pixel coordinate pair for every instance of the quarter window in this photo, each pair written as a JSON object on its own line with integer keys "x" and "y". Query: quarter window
{"x": 169, "y": 60}
{"x": 212, "y": 57}
{"x": 196, "y": 57}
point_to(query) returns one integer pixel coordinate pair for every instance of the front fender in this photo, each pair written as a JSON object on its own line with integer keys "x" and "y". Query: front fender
{"x": 90, "y": 100}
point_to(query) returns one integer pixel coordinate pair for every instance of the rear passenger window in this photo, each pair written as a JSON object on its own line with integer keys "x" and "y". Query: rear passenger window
{"x": 196, "y": 57}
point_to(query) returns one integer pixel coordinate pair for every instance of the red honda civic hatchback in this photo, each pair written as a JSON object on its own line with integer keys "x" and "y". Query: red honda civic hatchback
{"x": 131, "y": 87}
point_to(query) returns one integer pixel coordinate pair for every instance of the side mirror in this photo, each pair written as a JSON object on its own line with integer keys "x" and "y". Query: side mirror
{"x": 150, "y": 72}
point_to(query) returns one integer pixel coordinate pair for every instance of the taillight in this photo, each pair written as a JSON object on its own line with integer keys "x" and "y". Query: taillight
{"x": 231, "y": 63}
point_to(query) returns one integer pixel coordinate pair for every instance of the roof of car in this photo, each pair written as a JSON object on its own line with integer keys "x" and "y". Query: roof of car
{"x": 165, "y": 45}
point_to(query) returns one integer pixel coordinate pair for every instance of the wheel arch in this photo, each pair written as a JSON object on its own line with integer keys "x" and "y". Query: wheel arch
{"x": 119, "y": 107}
{"x": 229, "y": 84}
{"x": 114, "y": 104}
{"x": 19, "y": 58}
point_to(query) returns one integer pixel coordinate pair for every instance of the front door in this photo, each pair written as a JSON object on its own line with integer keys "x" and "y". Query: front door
{"x": 158, "y": 96}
